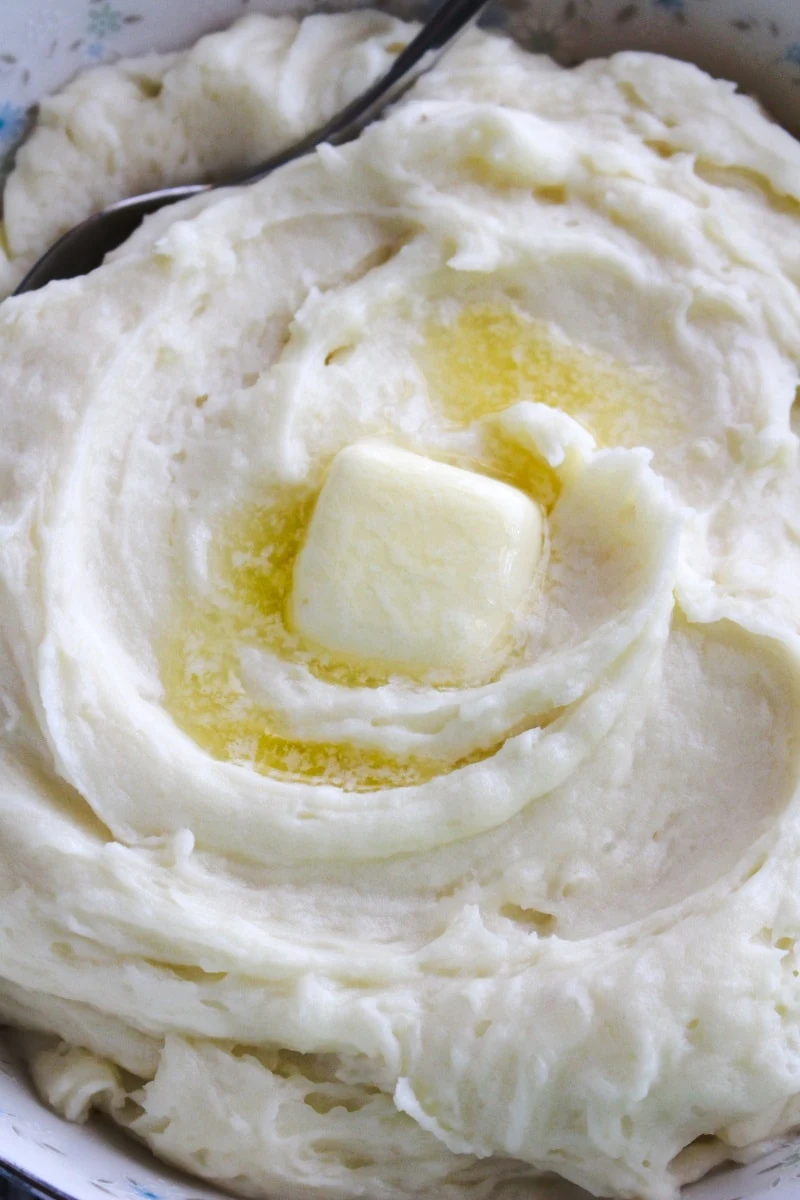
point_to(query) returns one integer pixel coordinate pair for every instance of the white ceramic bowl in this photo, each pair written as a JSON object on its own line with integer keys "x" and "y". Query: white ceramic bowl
{"x": 42, "y": 44}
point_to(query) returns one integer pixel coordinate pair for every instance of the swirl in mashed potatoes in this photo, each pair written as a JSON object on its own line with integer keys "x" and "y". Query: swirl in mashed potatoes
{"x": 399, "y": 625}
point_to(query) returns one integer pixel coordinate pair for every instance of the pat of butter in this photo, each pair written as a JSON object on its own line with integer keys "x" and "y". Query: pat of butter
{"x": 412, "y": 563}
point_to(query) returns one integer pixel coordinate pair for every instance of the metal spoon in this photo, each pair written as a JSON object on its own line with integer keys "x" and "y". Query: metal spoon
{"x": 85, "y": 246}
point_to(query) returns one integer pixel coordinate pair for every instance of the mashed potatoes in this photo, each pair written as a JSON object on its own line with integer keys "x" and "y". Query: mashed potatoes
{"x": 312, "y": 901}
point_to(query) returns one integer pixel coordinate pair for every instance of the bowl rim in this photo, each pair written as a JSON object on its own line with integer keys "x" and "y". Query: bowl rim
{"x": 31, "y": 1184}
{"x": 23, "y": 1179}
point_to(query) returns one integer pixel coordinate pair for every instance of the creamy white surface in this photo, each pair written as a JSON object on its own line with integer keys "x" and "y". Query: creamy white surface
{"x": 224, "y": 104}
{"x": 569, "y": 944}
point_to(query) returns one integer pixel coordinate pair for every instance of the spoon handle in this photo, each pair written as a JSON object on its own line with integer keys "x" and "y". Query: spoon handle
{"x": 450, "y": 19}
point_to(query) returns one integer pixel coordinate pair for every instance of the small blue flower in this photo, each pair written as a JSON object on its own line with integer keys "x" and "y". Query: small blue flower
{"x": 103, "y": 20}
{"x": 96, "y": 51}
{"x": 670, "y": 5}
{"x": 793, "y": 53}
{"x": 12, "y": 122}
{"x": 143, "y": 1192}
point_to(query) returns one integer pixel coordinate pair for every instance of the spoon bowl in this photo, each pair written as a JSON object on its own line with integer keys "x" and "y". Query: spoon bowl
{"x": 83, "y": 248}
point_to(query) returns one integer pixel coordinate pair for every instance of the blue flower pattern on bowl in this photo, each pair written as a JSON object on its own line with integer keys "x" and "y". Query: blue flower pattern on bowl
{"x": 144, "y": 1193}
{"x": 103, "y": 23}
{"x": 13, "y": 120}
{"x": 104, "y": 20}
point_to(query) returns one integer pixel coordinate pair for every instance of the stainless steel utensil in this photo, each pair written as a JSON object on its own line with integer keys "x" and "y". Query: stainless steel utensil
{"x": 85, "y": 246}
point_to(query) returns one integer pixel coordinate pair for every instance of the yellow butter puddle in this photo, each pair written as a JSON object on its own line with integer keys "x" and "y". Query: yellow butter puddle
{"x": 199, "y": 659}
{"x": 486, "y": 360}
{"x": 492, "y": 356}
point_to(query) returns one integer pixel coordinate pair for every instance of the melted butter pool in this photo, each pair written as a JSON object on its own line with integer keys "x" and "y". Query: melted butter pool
{"x": 492, "y": 356}
{"x": 199, "y": 658}
{"x": 489, "y": 358}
